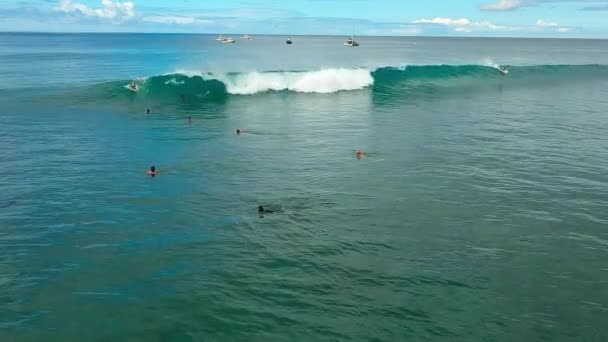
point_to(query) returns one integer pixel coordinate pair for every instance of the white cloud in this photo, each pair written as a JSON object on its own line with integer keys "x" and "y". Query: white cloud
{"x": 400, "y": 30}
{"x": 174, "y": 19}
{"x": 542, "y": 23}
{"x": 444, "y": 21}
{"x": 406, "y": 30}
{"x": 464, "y": 24}
{"x": 552, "y": 26}
{"x": 116, "y": 11}
{"x": 502, "y": 5}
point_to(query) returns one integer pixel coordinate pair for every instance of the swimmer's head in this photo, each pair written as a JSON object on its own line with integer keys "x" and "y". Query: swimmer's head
{"x": 238, "y": 131}
{"x": 260, "y": 209}
{"x": 152, "y": 168}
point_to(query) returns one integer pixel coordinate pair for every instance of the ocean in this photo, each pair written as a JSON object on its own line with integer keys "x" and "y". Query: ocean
{"x": 480, "y": 212}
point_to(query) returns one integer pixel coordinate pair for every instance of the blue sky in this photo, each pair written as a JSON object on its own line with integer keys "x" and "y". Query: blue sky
{"x": 514, "y": 18}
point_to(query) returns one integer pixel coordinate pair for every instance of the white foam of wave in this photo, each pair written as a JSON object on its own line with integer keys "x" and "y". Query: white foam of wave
{"x": 319, "y": 81}
{"x": 189, "y": 73}
{"x": 490, "y": 63}
{"x": 173, "y": 81}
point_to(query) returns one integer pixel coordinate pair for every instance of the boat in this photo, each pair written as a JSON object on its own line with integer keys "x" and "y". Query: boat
{"x": 220, "y": 38}
{"x": 228, "y": 41}
{"x": 289, "y": 41}
{"x": 247, "y": 37}
{"x": 350, "y": 42}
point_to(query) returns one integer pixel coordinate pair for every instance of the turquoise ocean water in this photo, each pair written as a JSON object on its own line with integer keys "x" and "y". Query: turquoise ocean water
{"x": 480, "y": 213}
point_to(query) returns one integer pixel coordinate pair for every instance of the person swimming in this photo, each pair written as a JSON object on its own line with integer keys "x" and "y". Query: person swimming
{"x": 148, "y": 111}
{"x": 263, "y": 210}
{"x": 238, "y": 131}
{"x": 190, "y": 120}
{"x": 360, "y": 154}
{"x": 152, "y": 171}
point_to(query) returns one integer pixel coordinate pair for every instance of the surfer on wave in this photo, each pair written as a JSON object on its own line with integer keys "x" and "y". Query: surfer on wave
{"x": 133, "y": 87}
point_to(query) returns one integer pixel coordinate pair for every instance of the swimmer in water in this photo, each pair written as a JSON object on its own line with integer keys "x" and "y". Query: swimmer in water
{"x": 262, "y": 210}
{"x": 189, "y": 120}
{"x": 238, "y": 131}
{"x": 148, "y": 111}
{"x": 152, "y": 171}
{"x": 360, "y": 154}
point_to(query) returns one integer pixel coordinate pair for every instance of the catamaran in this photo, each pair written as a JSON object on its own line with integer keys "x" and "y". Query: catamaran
{"x": 351, "y": 41}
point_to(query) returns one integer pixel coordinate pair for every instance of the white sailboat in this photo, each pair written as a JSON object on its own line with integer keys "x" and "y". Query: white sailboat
{"x": 350, "y": 42}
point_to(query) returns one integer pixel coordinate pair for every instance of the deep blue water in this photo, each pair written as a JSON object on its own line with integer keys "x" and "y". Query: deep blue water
{"x": 479, "y": 214}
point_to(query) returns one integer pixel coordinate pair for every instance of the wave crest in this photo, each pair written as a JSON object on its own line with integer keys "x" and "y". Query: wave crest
{"x": 208, "y": 86}
{"x": 319, "y": 81}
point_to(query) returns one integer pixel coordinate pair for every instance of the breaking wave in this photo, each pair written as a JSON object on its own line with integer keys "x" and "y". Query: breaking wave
{"x": 319, "y": 81}
{"x": 207, "y": 86}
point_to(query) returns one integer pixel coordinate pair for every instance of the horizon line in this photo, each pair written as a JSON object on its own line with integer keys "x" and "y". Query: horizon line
{"x": 300, "y": 35}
